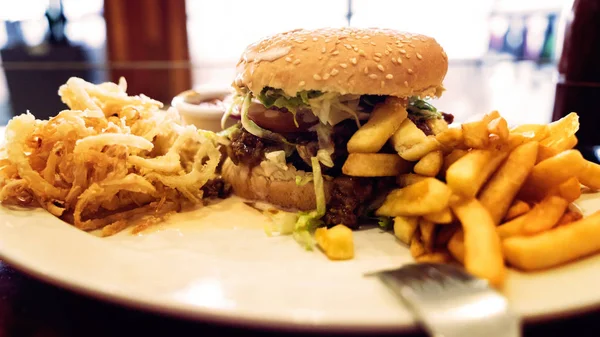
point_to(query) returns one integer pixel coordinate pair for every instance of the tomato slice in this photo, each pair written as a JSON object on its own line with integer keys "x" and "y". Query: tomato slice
{"x": 280, "y": 120}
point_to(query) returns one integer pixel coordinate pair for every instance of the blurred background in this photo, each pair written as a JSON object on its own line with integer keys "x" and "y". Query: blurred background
{"x": 502, "y": 53}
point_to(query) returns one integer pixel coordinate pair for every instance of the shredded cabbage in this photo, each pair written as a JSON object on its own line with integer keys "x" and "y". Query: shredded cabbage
{"x": 309, "y": 221}
{"x": 326, "y": 146}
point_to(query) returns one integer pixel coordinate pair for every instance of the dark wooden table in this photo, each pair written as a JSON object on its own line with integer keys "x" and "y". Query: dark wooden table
{"x": 29, "y": 307}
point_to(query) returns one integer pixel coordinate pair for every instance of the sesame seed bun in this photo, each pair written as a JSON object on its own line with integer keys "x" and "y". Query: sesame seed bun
{"x": 346, "y": 61}
{"x": 278, "y": 188}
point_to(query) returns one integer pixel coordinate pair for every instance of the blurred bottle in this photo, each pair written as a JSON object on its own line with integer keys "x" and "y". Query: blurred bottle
{"x": 578, "y": 85}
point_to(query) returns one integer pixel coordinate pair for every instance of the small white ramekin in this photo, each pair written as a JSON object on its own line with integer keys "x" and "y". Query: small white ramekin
{"x": 206, "y": 117}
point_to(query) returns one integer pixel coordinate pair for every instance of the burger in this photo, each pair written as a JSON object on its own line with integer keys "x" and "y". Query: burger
{"x": 301, "y": 95}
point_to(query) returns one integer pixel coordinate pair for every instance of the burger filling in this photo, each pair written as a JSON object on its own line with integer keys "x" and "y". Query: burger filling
{"x": 310, "y": 132}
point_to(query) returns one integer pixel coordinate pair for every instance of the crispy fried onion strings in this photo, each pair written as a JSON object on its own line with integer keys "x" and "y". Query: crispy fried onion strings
{"x": 110, "y": 158}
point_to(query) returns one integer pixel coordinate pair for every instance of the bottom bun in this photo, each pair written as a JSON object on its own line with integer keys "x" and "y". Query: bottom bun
{"x": 275, "y": 186}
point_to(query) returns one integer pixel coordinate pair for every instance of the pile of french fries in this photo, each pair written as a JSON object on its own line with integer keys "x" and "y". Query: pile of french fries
{"x": 483, "y": 194}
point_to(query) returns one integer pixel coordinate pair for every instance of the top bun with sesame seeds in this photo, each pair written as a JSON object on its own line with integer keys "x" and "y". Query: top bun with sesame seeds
{"x": 346, "y": 61}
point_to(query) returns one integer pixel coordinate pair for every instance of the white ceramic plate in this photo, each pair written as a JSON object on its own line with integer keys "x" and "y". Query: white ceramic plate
{"x": 216, "y": 263}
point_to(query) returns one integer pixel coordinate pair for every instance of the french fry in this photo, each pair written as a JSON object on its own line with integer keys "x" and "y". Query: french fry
{"x": 513, "y": 227}
{"x": 427, "y": 196}
{"x": 411, "y": 143}
{"x": 561, "y": 129}
{"x": 405, "y": 228}
{"x": 560, "y": 145}
{"x": 499, "y": 127}
{"x": 569, "y": 190}
{"x": 590, "y": 175}
{"x": 443, "y": 217}
{"x": 554, "y": 247}
{"x": 518, "y": 207}
{"x": 383, "y": 122}
{"x": 468, "y": 174}
{"x": 427, "y": 230}
{"x": 416, "y": 247}
{"x": 408, "y": 179}
{"x": 375, "y": 165}
{"x": 435, "y": 257}
{"x": 337, "y": 242}
{"x": 437, "y": 125}
{"x": 430, "y": 164}
{"x": 534, "y": 132}
{"x": 499, "y": 192}
{"x": 544, "y": 215}
{"x": 450, "y": 138}
{"x": 475, "y": 134}
{"x": 490, "y": 116}
{"x": 568, "y": 218}
{"x": 483, "y": 252}
{"x": 550, "y": 173}
{"x": 456, "y": 246}
{"x": 451, "y": 158}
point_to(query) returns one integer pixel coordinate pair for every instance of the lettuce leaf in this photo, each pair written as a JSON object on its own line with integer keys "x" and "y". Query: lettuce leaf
{"x": 422, "y": 109}
{"x": 270, "y": 97}
{"x": 309, "y": 221}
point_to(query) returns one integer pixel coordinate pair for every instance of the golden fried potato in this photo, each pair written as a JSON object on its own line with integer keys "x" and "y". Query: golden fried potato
{"x": 411, "y": 143}
{"x": 408, "y": 179}
{"x": 544, "y": 215}
{"x": 375, "y": 165}
{"x": 385, "y": 119}
{"x": 450, "y": 138}
{"x": 518, "y": 207}
{"x": 476, "y": 134}
{"x": 483, "y": 252}
{"x": 498, "y": 127}
{"x": 590, "y": 175}
{"x": 443, "y": 217}
{"x": 337, "y": 242}
{"x": 427, "y": 230}
{"x": 427, "y": 196}
{"x": 468, "y": 174}
{"x": 570, "y": 190}
{"x": 405, "y": 228}
{"x": 499, "y": 192}
{"x": 437, "y": 125}
{"x": 550, "y": 173}
{"x": 416, "y": 247}
{"x": 435, "y": 257}
{"x": 456, "y": 246}
{"x": 430, "y": 164}
{"x": 534, "y": 132}
{"x": 561, "y": 130}
{"x": 451, "y": 158}
{"x": 554, "y": 247}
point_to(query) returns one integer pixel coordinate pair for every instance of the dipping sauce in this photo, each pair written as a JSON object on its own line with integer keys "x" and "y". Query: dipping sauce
{"x": 204, "y": 107}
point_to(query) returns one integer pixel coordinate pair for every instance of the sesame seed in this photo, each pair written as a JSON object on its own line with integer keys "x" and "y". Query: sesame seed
{"x": 326, "y": 76}
{"x": 320, "y": 58}
{"x": 323, "y": 50}
{"x": 297, "y": 61}
{"x": 353, "y": 60}
{"x": 406, "y": 83}
{"x": 378, "y": 54}
{"x": 399, "y": 45}
{"x": 373, "y": 76}
{"x": 376, "y": 59}
{"x": 335, "y": 52}
{"x": 305, "y": 48}
{"x": 356, "y": 49}
{"x": 388, "y": 48}
{"x": 327, "y": 40}
{"x": 315, "y": 39}
{"x": 366, "y": 70}
{"x": 334, "y": 72}
{"x": 411, "y": 45}
{"x": 288, "y": 59}
{"x": 347, "y": 46}
{"x": 387, "y": 52}
{"x": 302, "y": 83}
{"x": 389, "y": 76}
{"x": 410, "y": 71}
{"x": 343, "y": 65}
{"x": 366, "y": 37}
{"x": 361, "y": 52}
{"x": 402, "y": 51}
{"x": 419, "y": 56}
{"x": 394, "y": 60}
{"x": 380, "y": 67}
{"x": 399, "y": 61}
{"x": 407, "y": 55}
{"x": 350, "y": 39}
{"x": 373, "y": 43}
{"x": 317, "y": 77}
